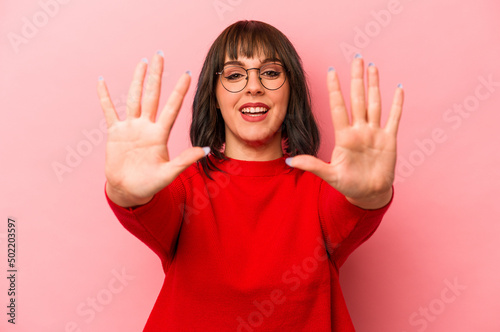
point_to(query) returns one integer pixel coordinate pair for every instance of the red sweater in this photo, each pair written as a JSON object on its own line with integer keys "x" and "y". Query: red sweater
{"x": 257, "y": 249}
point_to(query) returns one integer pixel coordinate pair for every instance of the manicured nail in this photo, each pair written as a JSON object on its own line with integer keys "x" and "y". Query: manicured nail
{"x": 206, "y": 149}
{"x": 358, "y": 56}
{"x": 188, "y": 72}
{"x": 371, "y": 64}
{"x": 101, "y": 78}
{"x": 288, "y": 161}
{"x": 145, "y": 60}
{"x": 331, "y": 69}
{"x": 400, "y": 85}
{"x": 160, "y": 52}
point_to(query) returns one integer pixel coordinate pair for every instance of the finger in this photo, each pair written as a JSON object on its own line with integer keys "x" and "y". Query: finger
{"x": 106, "y": 104}
{"x": 152, "y": 88}
{"x": 174, "y": 102}
{"x": 189, "y": 156}
{"x": 338, "y": 110}
{"x": 374, "y": 100}
{"x": 396, "y": 111}
{"x": 313, "y": 165}
{"x": 135, "y": 90}
{"x": 357, "y": 91}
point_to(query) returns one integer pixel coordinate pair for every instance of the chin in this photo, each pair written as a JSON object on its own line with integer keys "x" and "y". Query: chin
{"x": 259, "y": 138}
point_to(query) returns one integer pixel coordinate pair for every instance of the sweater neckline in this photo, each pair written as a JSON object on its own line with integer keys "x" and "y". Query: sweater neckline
{"x": 252, "y": 168}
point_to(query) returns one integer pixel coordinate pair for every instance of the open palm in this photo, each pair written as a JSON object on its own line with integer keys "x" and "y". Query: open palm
{"x": 137, "y": 159}
{"x": 364, "y": 157}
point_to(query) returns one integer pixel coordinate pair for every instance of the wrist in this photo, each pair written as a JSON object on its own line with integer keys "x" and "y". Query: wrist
{"x": 372, "y": 202}
{"x": 124, "y": 199}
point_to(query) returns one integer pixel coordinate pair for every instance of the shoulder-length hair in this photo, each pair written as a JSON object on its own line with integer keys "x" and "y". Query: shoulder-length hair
{"x": 299, "y": 131}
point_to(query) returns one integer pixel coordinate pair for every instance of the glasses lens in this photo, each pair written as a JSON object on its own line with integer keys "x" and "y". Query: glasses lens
{"x": 272, "y": 76}
{"x": 234, "y": 78}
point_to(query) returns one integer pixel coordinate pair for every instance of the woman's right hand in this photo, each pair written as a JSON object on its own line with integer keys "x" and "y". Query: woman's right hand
{"x": 137, "y": 160}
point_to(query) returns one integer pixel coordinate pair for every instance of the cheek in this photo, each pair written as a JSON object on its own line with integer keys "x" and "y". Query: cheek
{"x": 224, "y": 98}
{"x": 285, "y": 98}
{"x": 218, "y": 94}
{"x": 225, "y": 102}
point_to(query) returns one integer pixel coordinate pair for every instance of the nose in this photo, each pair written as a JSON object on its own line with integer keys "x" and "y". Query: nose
{"x": 254, "y": 86}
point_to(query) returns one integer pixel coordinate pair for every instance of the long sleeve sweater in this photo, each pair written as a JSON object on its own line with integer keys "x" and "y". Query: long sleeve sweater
{"x": 258, "y": 248}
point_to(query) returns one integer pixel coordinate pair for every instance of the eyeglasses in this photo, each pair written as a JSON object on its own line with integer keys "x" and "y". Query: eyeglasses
{"x": 234, "y": 79}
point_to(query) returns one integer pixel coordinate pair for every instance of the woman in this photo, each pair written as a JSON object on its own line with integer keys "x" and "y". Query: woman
{"x": 252, "y": 236}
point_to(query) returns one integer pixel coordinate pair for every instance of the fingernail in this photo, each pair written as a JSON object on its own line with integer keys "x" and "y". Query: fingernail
{"x": 206, "y": 149}
{"x": 145, "y": 60}
{"x": 371, "y": 64}
{"x": 400, "y": 85}
{"x": 358, "y": 56}
{"x": 288, "y": 161}
{"x": 331, "y": 69}
{"x": 101, "y": 78}
{"x": 188, "y": 72}
{"x": 160, "y": 52}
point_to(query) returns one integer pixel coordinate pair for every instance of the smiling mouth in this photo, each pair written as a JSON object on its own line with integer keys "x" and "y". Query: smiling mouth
{"x": 254, "y": 111}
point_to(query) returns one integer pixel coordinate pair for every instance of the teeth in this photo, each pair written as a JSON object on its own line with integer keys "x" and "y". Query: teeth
{"x": 254, "y": 110}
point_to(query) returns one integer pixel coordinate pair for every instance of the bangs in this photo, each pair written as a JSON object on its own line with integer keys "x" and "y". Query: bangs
{"x": 251, "y": 38}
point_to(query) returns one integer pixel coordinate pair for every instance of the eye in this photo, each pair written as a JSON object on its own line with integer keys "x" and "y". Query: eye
{"x": 271, "y": 72}
{"x": 234, "y": 74}
{"x": 233, "y": 77}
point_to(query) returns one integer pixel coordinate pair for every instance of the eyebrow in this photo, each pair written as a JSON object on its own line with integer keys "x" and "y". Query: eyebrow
{"x": 239, "y": 63}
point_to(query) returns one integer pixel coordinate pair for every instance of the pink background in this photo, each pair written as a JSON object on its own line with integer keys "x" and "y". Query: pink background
{"x": 433, "y": 265}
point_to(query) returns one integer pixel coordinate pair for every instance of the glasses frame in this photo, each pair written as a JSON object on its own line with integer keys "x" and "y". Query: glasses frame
{"x": 246, "y": 79}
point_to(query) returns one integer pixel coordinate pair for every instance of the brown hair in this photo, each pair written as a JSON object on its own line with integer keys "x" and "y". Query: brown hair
{"x": 299, "y": 131}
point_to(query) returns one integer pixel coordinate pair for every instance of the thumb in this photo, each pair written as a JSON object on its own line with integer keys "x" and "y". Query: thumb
{"x": 189, "y": 156}
{"x": 311, "y": 164}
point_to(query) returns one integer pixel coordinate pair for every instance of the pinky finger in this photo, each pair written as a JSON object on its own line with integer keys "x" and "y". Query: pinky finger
{"x": 106, "y": 104}
{"x": 396, "y": 111}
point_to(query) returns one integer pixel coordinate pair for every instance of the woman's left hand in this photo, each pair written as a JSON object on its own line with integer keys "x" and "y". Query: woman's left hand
{"x": 364, "y": 158}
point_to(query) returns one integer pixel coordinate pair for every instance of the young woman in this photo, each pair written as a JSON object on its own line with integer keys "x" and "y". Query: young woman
{"x": 252, "y": 235}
